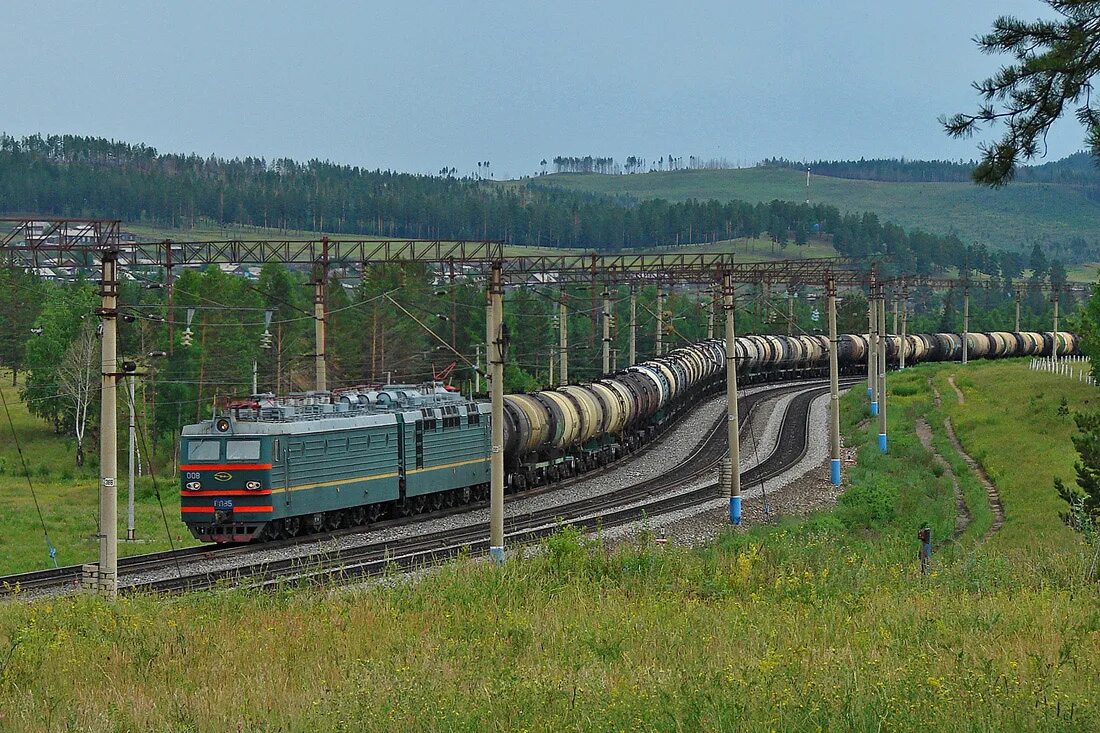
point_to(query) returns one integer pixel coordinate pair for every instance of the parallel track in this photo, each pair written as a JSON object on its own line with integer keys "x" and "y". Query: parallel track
{"x": 704, "y": 458}
{"x": 607, "y": 510}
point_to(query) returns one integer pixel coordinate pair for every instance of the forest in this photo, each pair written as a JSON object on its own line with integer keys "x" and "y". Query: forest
{"x": 94, "y": 177}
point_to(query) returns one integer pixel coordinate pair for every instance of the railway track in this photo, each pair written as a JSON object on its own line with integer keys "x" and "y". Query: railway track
{"x": 608, "y": 510}
{"x": 703, "y": 459}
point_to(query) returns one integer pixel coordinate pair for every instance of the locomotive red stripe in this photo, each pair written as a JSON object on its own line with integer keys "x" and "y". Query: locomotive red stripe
{"x": 226, "y": 467}
{"x": 237, "y": 509}
{"x": 227, "y": 492}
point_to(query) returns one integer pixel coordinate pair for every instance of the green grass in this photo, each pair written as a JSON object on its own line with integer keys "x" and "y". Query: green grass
{"x": 68, "y": 497}
{"x": 1009, "y": 218}
{"x": 1010, "y": 424}
{"x": 209, "y": 231}
{"x": 821, "y": 623}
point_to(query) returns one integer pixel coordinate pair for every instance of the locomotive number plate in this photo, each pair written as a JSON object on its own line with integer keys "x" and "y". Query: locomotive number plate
{"x": 223, "y": 505}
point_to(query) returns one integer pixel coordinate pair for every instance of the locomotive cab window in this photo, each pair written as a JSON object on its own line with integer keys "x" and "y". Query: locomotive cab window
{"x": 242, "y": 450}
{"x": 204, "y": 450}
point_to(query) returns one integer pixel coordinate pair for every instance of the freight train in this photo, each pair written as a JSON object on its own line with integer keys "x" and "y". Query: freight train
{"x": 269, "y": 467}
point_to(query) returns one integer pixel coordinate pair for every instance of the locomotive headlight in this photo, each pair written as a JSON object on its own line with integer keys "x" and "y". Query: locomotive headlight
{"x": 194, "y": 485}
{"x": 252, "y": 485}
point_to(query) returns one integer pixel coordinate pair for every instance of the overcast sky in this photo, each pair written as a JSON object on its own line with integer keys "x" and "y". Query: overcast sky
{"x": 421, "y": 85}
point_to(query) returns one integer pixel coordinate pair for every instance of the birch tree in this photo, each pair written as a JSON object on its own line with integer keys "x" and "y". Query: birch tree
{"x": 78, "y": 378}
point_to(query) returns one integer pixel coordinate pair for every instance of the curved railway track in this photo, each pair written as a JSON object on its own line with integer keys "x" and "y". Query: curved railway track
{"x": 607, "y": 510}
{"x": 368, "y": 559}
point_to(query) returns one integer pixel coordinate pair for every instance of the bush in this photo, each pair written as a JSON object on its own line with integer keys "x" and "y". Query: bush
{"x": 868, "y": 504}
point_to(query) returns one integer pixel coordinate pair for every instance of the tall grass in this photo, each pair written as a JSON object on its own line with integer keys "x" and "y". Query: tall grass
{"x": 822, "y": 623}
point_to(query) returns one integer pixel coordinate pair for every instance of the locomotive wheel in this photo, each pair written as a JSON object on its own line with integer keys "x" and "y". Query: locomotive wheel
{"x": 315, "y": 523}
{"x": 291, "y": 526}
{"x": 272, "y": 531}
{"x": 374, "y": 513}
{"x": 357, "y": 516}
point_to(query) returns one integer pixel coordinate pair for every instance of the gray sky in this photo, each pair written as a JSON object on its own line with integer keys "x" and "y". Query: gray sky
{"x": 420, "y": 85}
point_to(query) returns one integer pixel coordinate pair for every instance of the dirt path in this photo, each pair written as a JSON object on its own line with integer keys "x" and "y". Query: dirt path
{"x": 962, "y": 511}
{"x": 958, "y": 392}
{"x": 990, "y": 490}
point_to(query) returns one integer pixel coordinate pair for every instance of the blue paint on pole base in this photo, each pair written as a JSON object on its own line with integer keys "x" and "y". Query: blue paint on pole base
{"x": 874, "y": 407}
{"x": 497, "y": 553}
{"x": 870, "y": 391}
{"x": 735, "y": 509}
{"x": 882, "y": 442}
{"x": 834, "y": 472}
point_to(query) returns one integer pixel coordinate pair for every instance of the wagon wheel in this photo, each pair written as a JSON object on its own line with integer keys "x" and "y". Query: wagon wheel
{"x": 465, "y": 494}
{"x": 334, "y": 520}
{"x": 449, "y": 498}
{"x": 437, "y": 501}
{"x": 374, "y": 513}
{"x": 403, "y": 507}
{"x": 316, "y": 523}
{"x": 357, "y": 516}
{"x": 420, "y": 504}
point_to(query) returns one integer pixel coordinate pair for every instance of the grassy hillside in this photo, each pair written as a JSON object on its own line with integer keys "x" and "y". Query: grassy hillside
{"x": 815, "y": 624}
{"x": 1010, "y": 218}
{"x": 69, "y": 497}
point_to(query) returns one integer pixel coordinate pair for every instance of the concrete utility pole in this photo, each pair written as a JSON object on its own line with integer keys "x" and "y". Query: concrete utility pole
{"x": 633, "y": 325}
{"x": 496, "y": 377}
{"x": 606, "y": 331}
{"x": 834, "y": 388}
{"x": 1054, "y": 343}
{"x": 255, "y": 384}
{"x": 103, "y": 578}
{"x": 790, "y": 313}
{"x": 894, "y": 330}
{"x": 477, "y": 369}
{"x": 872, "y": 348}
{"x": 904, "y": 328}
{"x": 882, "y": 371}
{"x": 563, "y": 339}
{"x": 130, "y": 465}
{"x": 319, "y": 333}
{"x": 1018, "y": 296}
{"x": 871, "y": 343}
{"x": 732, "y": 486}
{"x": 660, "y": 321}
{"x": 710, "y": 315}
{"x": 966, "y": 324}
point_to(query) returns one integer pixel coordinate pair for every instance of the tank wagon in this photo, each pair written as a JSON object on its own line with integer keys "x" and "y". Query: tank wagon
{"x": 270, "y": 467}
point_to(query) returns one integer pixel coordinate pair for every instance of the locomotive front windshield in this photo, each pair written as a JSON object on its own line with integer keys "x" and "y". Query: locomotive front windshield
{"x": 242, "y": 450}
{"x": 204, "y": 450}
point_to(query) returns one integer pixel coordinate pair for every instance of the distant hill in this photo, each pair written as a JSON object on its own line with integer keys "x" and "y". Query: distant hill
{"x": 1066, "y": 215}
{"x": 1077, "y": 169}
